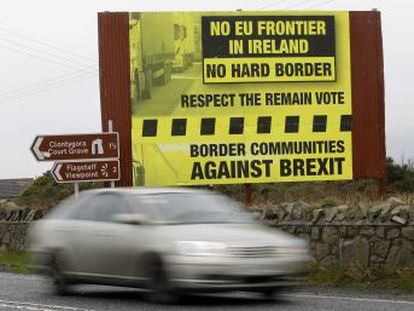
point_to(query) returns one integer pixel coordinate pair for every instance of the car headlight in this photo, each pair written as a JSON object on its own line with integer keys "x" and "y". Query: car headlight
{"x": 199, "y": 248}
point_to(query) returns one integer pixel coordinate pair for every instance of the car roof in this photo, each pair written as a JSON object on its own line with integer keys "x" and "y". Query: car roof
{"x": 149, "y": 190}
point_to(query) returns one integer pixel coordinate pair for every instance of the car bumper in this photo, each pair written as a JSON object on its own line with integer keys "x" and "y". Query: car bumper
{"x": 209, "y": 275}
{"x": 237, "y": 283}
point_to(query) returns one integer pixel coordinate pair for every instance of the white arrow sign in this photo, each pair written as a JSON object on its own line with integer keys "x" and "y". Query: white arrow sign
{"x": 36, "y": 148}
{"x": 56, "y": 172}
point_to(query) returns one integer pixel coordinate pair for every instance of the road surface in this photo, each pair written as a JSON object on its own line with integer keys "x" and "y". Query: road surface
{"x": 30, "y": 292}
{"x": 165, "y": 99}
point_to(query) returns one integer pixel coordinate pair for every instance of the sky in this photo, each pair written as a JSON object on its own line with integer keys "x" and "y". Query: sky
{"x": 49, "y": 67}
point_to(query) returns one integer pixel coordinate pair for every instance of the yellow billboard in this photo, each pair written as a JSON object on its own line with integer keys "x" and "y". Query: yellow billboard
{"x": 240, "y": 97}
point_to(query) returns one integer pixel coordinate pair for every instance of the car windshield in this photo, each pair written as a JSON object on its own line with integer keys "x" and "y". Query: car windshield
{"x": 190, "y": 208}
{"x": 61, "y": 210}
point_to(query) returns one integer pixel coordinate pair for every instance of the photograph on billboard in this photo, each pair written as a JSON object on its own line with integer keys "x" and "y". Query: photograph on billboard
{"x": 240, "y": 97}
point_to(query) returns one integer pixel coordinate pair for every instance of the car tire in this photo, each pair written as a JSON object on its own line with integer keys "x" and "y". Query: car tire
{"x": 147, "y": 92}
{"x": 163, "y": 79}
{"x": 59, "y": 280}
{"x": 268, "y": 294}
{"x": 137, "y": 87}
{"x": 159, "y": 290}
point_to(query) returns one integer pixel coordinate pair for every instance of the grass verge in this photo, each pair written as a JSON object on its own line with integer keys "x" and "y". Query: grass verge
{"x": 362, "y": 277}
{"x": 17, "y": 262}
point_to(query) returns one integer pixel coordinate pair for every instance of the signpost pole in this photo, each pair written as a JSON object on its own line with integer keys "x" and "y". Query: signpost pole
{"x": 76, "y": 186}
{"x": 110, "y": 130}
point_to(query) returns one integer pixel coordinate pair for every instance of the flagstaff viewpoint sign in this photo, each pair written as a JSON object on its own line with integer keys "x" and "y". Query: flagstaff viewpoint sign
{"x": 86, "y": 171}
{"x": 240, "y": 97}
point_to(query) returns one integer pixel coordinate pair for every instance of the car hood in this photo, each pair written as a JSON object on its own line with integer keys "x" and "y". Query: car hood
{"x": 240, "y": 234}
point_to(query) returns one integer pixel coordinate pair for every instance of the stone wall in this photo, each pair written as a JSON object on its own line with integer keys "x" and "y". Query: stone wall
{"x": 381, "y": 236}
{"x": 14, "y": 222}
{"x": 10, "y": 212}
{"x": 13, "y": 235}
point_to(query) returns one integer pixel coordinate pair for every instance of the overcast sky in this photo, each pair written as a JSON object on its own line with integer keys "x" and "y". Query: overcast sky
{"x": 49, "y": 57}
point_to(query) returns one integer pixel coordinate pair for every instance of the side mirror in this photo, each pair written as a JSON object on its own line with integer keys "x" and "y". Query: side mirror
{"x": 131, "y": 219}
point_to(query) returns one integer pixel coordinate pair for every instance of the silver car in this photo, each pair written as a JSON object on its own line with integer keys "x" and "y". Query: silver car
{"x": 167, "y": 240}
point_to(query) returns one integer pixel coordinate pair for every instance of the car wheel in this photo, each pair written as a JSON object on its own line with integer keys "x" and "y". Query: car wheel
{"x": 159, "y": 290}
{"x": 146, "y": 93}
{"x": 268, "y": 294}
{"x": 60, "y": 283}
{"x": 137, "y": 87}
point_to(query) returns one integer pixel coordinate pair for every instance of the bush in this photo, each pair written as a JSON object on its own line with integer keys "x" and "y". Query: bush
{"x": 45, "y": 192}
{"x": 400, "y": 177}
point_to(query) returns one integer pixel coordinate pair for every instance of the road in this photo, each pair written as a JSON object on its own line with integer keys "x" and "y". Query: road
{"x": 30, "y": 292}
{"x": 165, "y": 99}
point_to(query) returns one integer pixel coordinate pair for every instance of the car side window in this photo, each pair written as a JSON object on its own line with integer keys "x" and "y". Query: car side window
{"x": 108, "y": 204}
{"x": 100, "y": 207}
{"x": 147, "y": 205}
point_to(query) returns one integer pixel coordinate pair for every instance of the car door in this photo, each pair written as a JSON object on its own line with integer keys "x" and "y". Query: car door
{"x": 123, "y": 244}
{"x": 114, "y": 240}
{"x": 102, "y": 245}
{"x": 65, "y": 225}
{"x": 80, "y": 232}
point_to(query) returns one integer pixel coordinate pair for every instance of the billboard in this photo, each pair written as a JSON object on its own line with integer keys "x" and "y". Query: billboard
{"x": 240, "y": 97}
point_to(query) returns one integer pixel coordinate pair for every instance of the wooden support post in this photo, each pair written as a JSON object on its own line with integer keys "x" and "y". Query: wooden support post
{"x": 382, "y": 188}
{"x": 247, "y": 194}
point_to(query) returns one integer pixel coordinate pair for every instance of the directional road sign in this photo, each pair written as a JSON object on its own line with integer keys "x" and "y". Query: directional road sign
{"x": 76, "y": 147}
{"x": 86, "y": 171}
